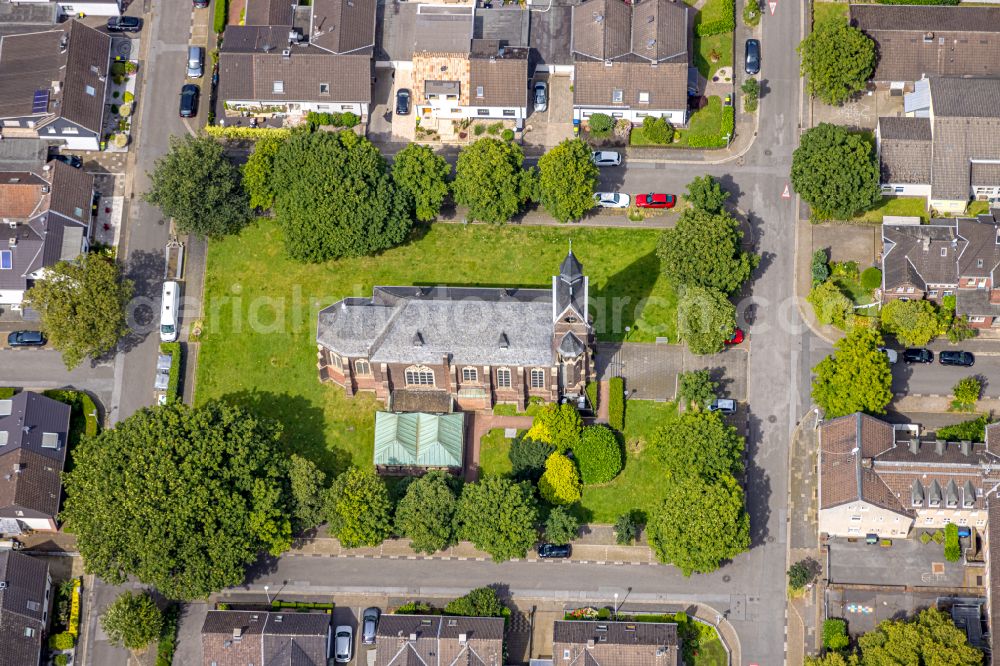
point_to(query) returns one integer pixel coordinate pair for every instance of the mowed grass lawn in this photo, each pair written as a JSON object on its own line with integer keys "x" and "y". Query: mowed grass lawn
{"x": 823, "y": 11}
{"x": 260, "y": 312}
{"x": 904, "y": 206}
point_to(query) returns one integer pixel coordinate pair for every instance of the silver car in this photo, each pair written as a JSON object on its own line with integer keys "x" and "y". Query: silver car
{"x": 606, "y": 158}
{"x": 344, "y": 644}
{"x": 196, "y": 62}
{"x": 611, "y": 200}
{"x": 541, "y": 96}
{"x": 369, "y": 623}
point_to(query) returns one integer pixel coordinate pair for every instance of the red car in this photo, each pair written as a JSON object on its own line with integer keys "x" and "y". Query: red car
{"x": 737, "y": 337}
{"x": 655, "y": 200}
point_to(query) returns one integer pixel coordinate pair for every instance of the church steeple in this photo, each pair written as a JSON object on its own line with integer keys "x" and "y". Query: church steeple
{"x": 571, "y": 270}
{"x": 569, "y": 290}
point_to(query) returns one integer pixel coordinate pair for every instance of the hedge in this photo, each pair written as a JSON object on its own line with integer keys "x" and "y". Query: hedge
{"x": 336, "y": 119}
{"x": 174, "y": 380}
{"x": 167, "y": 644}
{"x": 7, "y": 392}
{"x": 221, "y": 16}
{"x": 616, "y": 403}
{"x": 972, "y": 431}
{"x": 62, "y": 641}
{"x": 73, "y": 626}
{"x": 592, "y": 394}
{"x": 81, "y": 405}
{"x": 719, "y": 26}
{"x": 252, "y": 133}
{"x": 952, "y": 549}
{"x": 918, "y": 2}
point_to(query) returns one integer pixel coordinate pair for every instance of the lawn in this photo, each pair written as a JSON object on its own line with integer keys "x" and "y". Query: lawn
{"x": 905, "y": 206}
{"x": 710, "y": 650}
{"x": 494, "y": 454}
{"x": 706, "y": 120}
{"x": 978, "y": 208}
{"x": 827, "y": 10}
{"x": 717, "y": 46}
{"x": 261, "y": 308}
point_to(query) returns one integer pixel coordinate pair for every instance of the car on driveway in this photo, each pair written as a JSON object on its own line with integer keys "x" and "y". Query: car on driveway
{"x": 189, "y": 100}
{"x": 606, "y": 158}
{"x": 369, "y": 623}
{"x": 653, "y": 200}
{"x": 725, "y": 406}
{"x": 344, "y": 644}
{"x": 196, "y": 62}
{"x": 74, "y": 161}
{"x": 611, "y": 200}
{"x": 124, "y": 24}
{"x": 541, "y": 95}
{"x": 752, "y": 59}
{"x": 26, "y": 339}
{"x": 890, "y": 354}
{"x": 737, "y": 337}
{"x": 200, "y": 4}
{"x": 962, "y": 358}
{"x": 402, "y": 102}
{"x": 551, "y": 551}
{"x": 918, "y": 355}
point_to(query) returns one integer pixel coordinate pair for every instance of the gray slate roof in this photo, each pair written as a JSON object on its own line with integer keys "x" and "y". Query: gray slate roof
{"x": 344, "y": 26}
{"x": 421, "y": 640}
{"x": 22, "y": 603}
{"x": 288, "y": 639}
{"x": 268, "y": 12}
{"x": 982, "y": 244}
{"x": 252, "y": 76}
{"x": 443, "y": 29}
{"x": 905, "y": 150}
{"x": 920, "y": 254}
{"x": 959, "y": 97}
{"x": 615, "y": 643}
{"x": 33, "y": 436}
{"x": 595, "y": 84}
{"x": 651, "y": 31}
{"x": 502, "y": 75}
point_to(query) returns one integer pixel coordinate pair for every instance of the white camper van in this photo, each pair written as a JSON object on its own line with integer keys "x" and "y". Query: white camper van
{"x": 169, "y": 315}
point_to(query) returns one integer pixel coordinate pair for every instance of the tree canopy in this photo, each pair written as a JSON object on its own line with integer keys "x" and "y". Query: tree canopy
{"x": 718, "y": 452}
{"x": 836, "y": 172}
{"x": 527, "y": 458}
{"x": 696, "y": 388}
{"x": 425, "y": 513}
{"x": 196, "y": 184}
{"x": 560, "y": 484}
{"x": 855, "y": 378}
{"x": 911, "y": 322}
{"x": 181, "y": 498}
{"x": 561, "y": 526}
{"x": 703, "y": 250}
{"x": 705, "y": 193}
{"x": 556, "y": 424}
{"x": 423, "y": 176}
{"x": 567, "y": 178}
{"x": 837, "y": 60}
{"x": 358, "y": 508}
{"x": 700, "y": 524}
{"x": 258, "y": 172}
{"x": 830, "y": 305}
{"x": 491, "y": 181}
{"x": 497, "y": 515}
{"x": 598, "y": 454}
{"x": 308, "y": 487}
{"x": 930, "y": 638}
{"x": 334, "y": 197}
{"x": 83, "y": 306}
{"x": 705, "y": 319}
{"x": 480, "y": 602}
{"x": 133, "y": 620}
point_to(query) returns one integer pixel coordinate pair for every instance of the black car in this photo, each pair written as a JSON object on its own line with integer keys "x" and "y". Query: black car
{"x": 752, "y": 62}
{"x": 26, "y": 339}
{"x": 964, "y": 359}
{"x": 552, "y": 551}
{"x": 402, "y": 102}
{"x": 74, "y": 161}
{"x": 124, "y": 24}
{"x": 918, "y": 355}
{"x": 189, "y": 100}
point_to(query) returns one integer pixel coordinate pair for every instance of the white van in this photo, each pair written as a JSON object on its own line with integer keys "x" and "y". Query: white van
{"x": 169, "y": 315}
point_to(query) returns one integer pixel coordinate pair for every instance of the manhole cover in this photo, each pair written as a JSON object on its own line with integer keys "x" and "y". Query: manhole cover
{"x": 769, "y": 539}
{"x": 770, "y": 419}
{"x": 726, "y": 578}
{"x": 160, "y": 222}
{"x": 124, "y": 48}
{"x": 768, "y": 152}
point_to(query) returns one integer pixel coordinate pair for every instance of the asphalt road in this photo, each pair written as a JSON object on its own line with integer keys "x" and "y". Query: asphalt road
{"x": 44, "y": 369}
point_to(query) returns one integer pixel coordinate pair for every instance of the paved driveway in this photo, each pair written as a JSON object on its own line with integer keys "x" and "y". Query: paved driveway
{"x": 44, "y": 369}
{"x": 906, "y": 562}
{"x": 651, "y": 369}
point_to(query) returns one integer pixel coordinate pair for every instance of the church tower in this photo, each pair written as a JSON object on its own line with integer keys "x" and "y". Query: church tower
{"x": 572, "y": 335}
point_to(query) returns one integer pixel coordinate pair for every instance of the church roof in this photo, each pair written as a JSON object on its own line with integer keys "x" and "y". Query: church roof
{"x": 571, "y": 269}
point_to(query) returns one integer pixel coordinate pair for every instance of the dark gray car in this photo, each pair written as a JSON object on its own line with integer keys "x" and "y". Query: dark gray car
{"x": 369, "y": 623}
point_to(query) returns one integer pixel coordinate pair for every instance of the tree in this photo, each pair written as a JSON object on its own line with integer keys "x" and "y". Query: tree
{"x": 423, "y": 175}
{"x": 802, "y": 573}
{"x": 930, "y": 638}
{"x": 751, "y": 92}
{"x": 705, "y": 193}
{"x": 966, "y": 393}
{"x": 835, "y": 172}
{"x": 705, "y": 319}
{"x": 567, "y": 177}
{"x": 704, "y": 250}
{"x": 833, "y": 659}
{"x": 700, "y": 524}
{"x": 835, "y": 634}
{"x": 527, "y": 458}
{"x": 600, "y": 123}
{"x": 425, "y": 513}
{"x": 598, "y": 454}
{"x": 133, "y": 620}
{"x": 820, "y": 267}
{"x": 308, "y": 486}
{"x": 696, "y": 388}
{"x": 560, "y": 484}
{"x": 914, "y": 323}
{"x": 183, "y": 498}
{"x": 837, "y": 60}
{"x": 626, "y": 529}
{"x": 830, "y": 305}
{"x": 334, "y": 197}
{"x": 558, "y": 425}
{"x": 855, "y": 378}
{"x": 82, "y": 305}
{"x": 491, "y": 181}
{"x": 561, "y": 526}
{"x": 358, "y": 508}
{"x": 657, "y": 130}
{"x": 196, "y": 184}
{"x": 718, "y": 452}
{"x": 480, "y": 602}
{"x": 497, "y": 515}
{"x": 258, "y": 172}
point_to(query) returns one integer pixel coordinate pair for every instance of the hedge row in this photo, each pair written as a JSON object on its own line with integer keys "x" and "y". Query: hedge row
{"x": 918, "y": 2}
{"x": 616, "y": 403}
{"x": 174, "y": 380}
{"x": 335, "y": 119}
{"x": 7, "y": 392}
{"x": 221, "y": 16}
{"x": 719, "y": 26}
{"x": 167, "y": 644}
{"x": 252, "y": 133}
{"x": 302, "y": 604}
{"x": 81, "y": 404}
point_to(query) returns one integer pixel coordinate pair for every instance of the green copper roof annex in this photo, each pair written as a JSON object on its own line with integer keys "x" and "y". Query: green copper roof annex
{"x": 419, "y": 440}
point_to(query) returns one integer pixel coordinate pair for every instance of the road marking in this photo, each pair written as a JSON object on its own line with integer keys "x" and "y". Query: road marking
{"x": 772, "y": 6}
{"x": 786, "y": 194}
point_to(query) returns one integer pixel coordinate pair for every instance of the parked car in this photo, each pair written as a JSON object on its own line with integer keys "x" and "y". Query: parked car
{"x": 653, "y": 200}
{"x": 541, "y": 96}
{"x": 74, "y": 161}
{"x": 369, "y": 623}
{"x": 196, "y": 62}
{"x": 890, "y": 354}
{"x": 344, "y": 644}
{"x": 611, "y": 199}
{"x": 962, "y": 358}
{"x": 752, "y": 60}
{"x": 402, "y": 102}
{"x": 737, "y": 337}
{"x": 189, "y": 100}
{"x": 554, "y": 551}
{"x": 200, "y": 4}
{"x": 918, "y": 355}
{"x": 124, "y": 24}
{"x": 725, "y": 406}
{"x": 606, "y": 158}
{"x": 26, "y": 339}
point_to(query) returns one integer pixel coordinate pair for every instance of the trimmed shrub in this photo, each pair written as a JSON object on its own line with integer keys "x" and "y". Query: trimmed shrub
{"x": 413, "y": 608}
{"x": 92, "y": 424}
{"x": 871, "y": 278}
{"x": 626, "y": 529}
{"x": 835, "y": 634}
{"x": 560, "y": 484}
{"x": 173, "y": 382}
{"x": 820, "y": 267}
{"x": 62, "y": 641}
{"x": 592, "y": 395}
{"x": 479, "y": 130}
{"x": 600, "y": 122}
{"x": 558, "y": 425}
{"x": 252, "y": 133}
{"x": 61, "y": 660}
{"x": 830, "y": 304}
{"x": 973, "y": 430}
{"x": 719, "y": 26}
{"x": 480, "y": 602}
{"x": 7, "y": 392}
{"x": 802, "y": 573}
{"x": 507, "y": 134}
{"x": 616, "y": 403}
{"x": 527, "y": 458}
{"x": 599, "y": 455}
{"x": 952, "y": 549}
{"x": 168, "y": 636}
{"x": 221, "y": 16}
{"x": 657, "y": 130}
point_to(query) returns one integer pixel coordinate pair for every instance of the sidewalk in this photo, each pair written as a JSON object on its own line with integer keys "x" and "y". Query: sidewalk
{"x": 804, "y": 612}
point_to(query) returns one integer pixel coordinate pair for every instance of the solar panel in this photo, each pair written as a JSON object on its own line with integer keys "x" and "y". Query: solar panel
{"x": 40, "y": 103}
{"x": 6, "y": 260}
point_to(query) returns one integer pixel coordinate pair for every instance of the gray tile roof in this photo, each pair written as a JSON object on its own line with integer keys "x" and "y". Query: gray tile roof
{"x": 982, "y": 245}
{"x": 22, "y": 603}
{"x": 910, "y": 129}
{"x": 17, "y": 17}
{"x": 253, "y": 77}
{"x": 443, "y": 29}
{"x": 32, "y": 459}
{"x": 510, "y": 25}
{"x": 985, "y": 173}
{"x": 961, "y": 97}
{"x": 905, "y": 150}
{"x": 918, "y": 255}
{"x": 86, "y": 68}
{"x": 268, "y": 12}
{"x": 976, "y": 303}
{"x": 502, "y": 78}
{"x": 343, "y": 26}
{"x": 602, "y": 29}
{"x": 595, "y": 84}
{"x": 652, "y": 31}
{"x": 288, "y": 639}
{"x": 615, "y": 643}
{"x": 422, "y": 640}
{"x": 926, "y": 18}
{"x": 29, "y": 62}
{"x": 843, "y": 479}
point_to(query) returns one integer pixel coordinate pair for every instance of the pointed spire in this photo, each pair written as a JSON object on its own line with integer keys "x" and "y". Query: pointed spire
{"x": 571, "y": 270}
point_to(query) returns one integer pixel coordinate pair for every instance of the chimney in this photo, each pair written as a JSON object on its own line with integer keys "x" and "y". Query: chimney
{"x": 237, "y": 632}
{"x": 926, "y": 242}
{"x": 590, "y": 644}
{"x": 413, "y": 637}
{"x": 939, "y": 447}
{"x": 966, "y": 447}
{"x": 463, "y": 639}
{"x": 914, "y": 446}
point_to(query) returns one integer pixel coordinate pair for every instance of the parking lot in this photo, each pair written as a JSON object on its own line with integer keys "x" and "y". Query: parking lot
{"x": 908, "y": 562}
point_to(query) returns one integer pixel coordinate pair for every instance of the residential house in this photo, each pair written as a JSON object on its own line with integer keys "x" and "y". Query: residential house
{"x": 238, "y": 638}
{"x": 948, "y": 146}
{"x": 631, "y": 60}
{"x": 81, "y": 7}
{"x": 45, "y": 217}
{"x": 53, "y": 85}
{"x": 34, "y": 433}
{"x": 456, "y": 76}
{"x": 914, "y": 42}
{"x": 414, "y": 442}
{"x": 289, "y": 60}
{"x": 433, "y": 640}
{"x": 604, "y": 643}
{"x": 24, "y": 608}
{"x": 17, "y": 17}
{"x": 477, "y": 346}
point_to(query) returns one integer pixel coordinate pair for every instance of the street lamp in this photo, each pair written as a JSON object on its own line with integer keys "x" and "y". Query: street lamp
{"x": 616, "y": 606}
{"x": 266, "y": 588}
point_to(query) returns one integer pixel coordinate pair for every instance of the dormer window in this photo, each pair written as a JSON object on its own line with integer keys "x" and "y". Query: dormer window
{"x": 617, "y": 96}
{"x": 644, "y": 97}
{"x": 324, "y": 89}
{"x": 979, "y": 263}
{"x": 278, "y": 87}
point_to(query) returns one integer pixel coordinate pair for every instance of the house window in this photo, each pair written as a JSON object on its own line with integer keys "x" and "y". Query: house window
{"x": 470, "y": 375}
{"x": 643, "y": 97}
{"x": 977, "y": 320}
{"x": 899, "y": 189}
{"x": 944, "y": 252}
{"x": 452, "y": 97}
{"x": 909, "y": 290}
{"x": 509, "y": 113}
{"x": 90, "y": 90}
{"x": 70, "y": 130}
{"x": 6, "y": 260}
{"x": 29, "y": 632}
{"x": 503, "y": 378}
{"x": 932, "y": 293}
{"x": 566, "y": 655}
{"x": 455, "y": 110}
{"x": 617, "y": 96}
{"x": 537, "y": 378}
{"x": 483, "y": 112}
{"x": 346, "y": 107}
{"x": 479, "y": 92}
{"x": 948, "y": 292}
{"x": 979, "y": 263}
{"x": 77, "y": 211}
{"x": 899, "y": 290}
{"x": 855, "y": 519}
{"x": 324, "y": 89}
{"x": 362, "y": 367}
{"x": 419, "y": 376}
{"x": 278, "y": 87}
